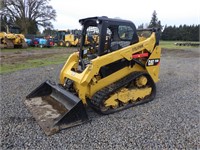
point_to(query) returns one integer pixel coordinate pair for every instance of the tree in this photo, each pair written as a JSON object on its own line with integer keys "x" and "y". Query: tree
{"x": 29, "y": 15}
{"x": 1, "y": 4}
{"x": 181, "y": 33}
{"x": 141, "y": 26}
{"x": 155, "y": 23}
{"x": 49, "y": 31}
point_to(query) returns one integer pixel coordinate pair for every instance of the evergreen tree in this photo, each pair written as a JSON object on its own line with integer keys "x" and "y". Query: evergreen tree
{"x": 155, "y": 23}
{"x": 181, "y": 33}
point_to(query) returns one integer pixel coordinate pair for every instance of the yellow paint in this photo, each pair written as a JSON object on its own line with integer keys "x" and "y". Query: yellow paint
{"x": 125, "y": 95}
{"x": 154, "y": 70}
{"x": 141, "y": 81}
{"x": 88, "y": 82}
{"x": 71, "y": 39}
{"x": 16, "y": 39}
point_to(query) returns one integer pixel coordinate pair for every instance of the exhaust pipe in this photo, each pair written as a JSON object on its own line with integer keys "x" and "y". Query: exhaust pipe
{"x": 54, "y": 108}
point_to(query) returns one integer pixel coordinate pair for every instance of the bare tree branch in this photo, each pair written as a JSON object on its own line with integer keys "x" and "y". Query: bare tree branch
{"x": 26, "y": 13}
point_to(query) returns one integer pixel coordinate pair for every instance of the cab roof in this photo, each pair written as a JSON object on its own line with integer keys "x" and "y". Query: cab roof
{"x": 113, "y": 21}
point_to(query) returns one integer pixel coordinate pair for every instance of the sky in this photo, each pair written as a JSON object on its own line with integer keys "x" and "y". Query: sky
{"x": 169, "y": 12}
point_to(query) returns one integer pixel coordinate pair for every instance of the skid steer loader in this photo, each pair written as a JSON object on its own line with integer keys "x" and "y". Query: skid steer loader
{"x": 117, "y": 73}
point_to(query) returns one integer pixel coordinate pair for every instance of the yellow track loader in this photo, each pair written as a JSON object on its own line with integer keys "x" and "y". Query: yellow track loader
{"x": 12, "y": 38}
{"x": 116, "y": 73}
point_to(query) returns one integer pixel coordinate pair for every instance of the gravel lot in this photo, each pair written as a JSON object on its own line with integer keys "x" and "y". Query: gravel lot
{"x": 171, "y": 121}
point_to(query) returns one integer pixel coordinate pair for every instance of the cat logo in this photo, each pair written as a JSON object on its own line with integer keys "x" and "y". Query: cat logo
{"x": 153, "y": 62}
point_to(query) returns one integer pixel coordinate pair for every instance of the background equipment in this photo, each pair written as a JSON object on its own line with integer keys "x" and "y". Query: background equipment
{"x": 67, "y": 38}
{"x": 11, "y": 37}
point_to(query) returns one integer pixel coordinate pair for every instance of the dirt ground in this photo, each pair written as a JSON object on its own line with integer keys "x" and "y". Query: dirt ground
{"x": 21, "y": 56}
{"x": 187, "y": 53}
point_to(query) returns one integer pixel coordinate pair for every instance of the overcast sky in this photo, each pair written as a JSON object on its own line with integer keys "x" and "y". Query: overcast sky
{"x": 170, "y": 12}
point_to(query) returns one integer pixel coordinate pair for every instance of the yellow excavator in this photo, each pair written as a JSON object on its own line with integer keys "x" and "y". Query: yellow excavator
{"x": 116, "y": 73}
{"x": 11, "y": 37}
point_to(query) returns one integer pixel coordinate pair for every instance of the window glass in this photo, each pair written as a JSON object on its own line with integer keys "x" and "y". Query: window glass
{"x": 92, "y": 35}
{"x": 125, "y": 33}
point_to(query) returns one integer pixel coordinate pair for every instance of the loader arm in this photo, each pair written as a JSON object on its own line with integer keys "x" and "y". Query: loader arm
{"x": 83, "y": 80}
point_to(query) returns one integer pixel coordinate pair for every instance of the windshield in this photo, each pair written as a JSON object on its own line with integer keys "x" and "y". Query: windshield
{"x": 113, "y": 38}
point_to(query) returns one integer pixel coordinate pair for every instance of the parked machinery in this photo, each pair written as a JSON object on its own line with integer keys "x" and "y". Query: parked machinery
{"x": 67, "y": 38}
{"x": 11, "y": 37}
{"x": 40, "y": 41}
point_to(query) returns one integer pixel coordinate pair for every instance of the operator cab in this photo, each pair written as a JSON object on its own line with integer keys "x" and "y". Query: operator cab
{"x": 104, "y": 35}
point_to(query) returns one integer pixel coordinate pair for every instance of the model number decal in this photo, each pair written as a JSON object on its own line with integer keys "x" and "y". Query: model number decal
{"x": 153, "y": 62}
{"x": 136, "y": 48}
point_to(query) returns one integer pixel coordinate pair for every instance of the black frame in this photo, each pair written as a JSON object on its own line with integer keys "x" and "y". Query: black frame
{"x": 102, "y": 23}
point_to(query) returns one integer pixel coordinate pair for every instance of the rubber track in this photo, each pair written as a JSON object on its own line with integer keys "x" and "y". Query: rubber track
{"x": 99, "y": 97}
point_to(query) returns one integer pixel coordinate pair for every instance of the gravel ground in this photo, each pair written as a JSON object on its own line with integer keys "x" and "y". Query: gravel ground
{"x": 171, "y": 121}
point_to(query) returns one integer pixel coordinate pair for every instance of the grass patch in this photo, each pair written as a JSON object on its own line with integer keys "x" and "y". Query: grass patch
{"x": 171, "y": 45}
{"x": 56, "y": 59}
{"x": 29, "y": 49}
{"x": 59, "y": 58}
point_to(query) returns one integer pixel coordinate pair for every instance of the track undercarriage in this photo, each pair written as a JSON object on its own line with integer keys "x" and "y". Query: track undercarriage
{"x": 134, "y": 89}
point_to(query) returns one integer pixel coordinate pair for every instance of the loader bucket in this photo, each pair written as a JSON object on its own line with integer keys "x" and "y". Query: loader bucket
{"x": 55, "y": 108}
